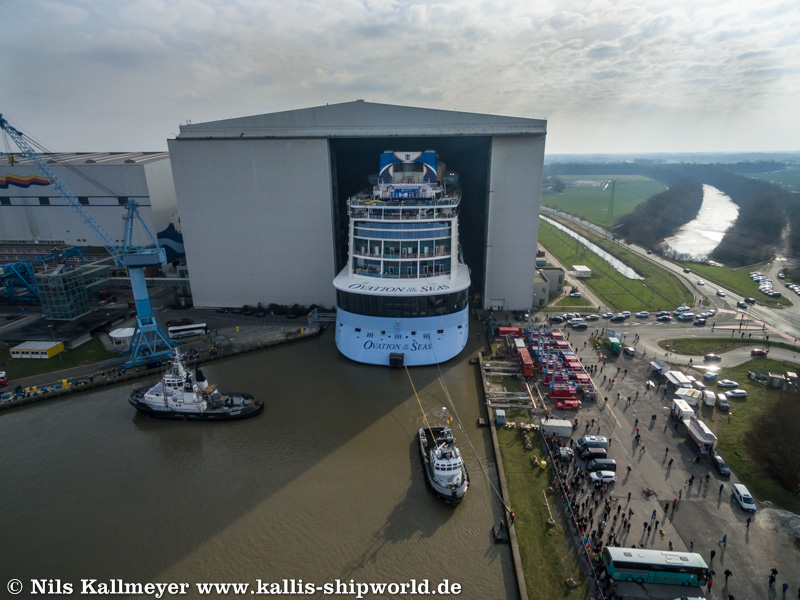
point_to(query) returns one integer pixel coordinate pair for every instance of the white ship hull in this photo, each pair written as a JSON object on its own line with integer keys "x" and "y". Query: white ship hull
{"x": 422, "y": 341}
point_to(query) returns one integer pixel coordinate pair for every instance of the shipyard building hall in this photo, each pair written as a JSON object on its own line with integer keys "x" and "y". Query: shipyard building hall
{"x": 263, "y": 199}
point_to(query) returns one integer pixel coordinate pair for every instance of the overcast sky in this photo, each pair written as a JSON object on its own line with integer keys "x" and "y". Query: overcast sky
{"x": 609, "y": 76}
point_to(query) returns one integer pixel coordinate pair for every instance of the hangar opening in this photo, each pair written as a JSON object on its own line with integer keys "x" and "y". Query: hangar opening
{"x": 354, "y": 159}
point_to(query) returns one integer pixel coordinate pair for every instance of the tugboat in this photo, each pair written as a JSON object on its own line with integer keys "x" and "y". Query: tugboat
{"x": 179, "y": 395}
{"x": 441, "y": 460}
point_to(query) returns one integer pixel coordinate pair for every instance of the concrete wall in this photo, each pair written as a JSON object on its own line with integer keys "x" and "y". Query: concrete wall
{"x": 26, "y": 219}
{"x": 515, "y": 193}
{"x": 257, "y": 220}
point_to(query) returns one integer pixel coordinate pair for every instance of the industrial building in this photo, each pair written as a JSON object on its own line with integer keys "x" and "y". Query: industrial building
{"x": 34, "y": 217}
{"x": 262, "y": 198}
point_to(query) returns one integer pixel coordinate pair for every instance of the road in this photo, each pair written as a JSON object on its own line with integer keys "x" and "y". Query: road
{"x": 783, "y": 322}
{"x": 702, "y": 514}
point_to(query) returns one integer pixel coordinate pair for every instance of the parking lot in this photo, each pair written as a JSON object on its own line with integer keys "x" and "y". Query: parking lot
{"x": 704, "y": 510}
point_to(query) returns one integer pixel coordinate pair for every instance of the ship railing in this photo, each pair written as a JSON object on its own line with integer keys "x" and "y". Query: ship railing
{"x": 392, "y": 256}
{"x": 405, "y": 215}
{"x": 378, "y": 275}
{"x": 386, "y": 201}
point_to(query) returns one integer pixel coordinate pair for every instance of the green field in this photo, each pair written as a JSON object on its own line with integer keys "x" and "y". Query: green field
{"x": 546, "y": 560}
{"x": 733, "y": 434}
{"x": 738, "y": 280}
{"x": 789, "y": 178}
{"x": 88, "y": 353}
{"x": 585, "y": 196}
{"x": 659, "y": 289}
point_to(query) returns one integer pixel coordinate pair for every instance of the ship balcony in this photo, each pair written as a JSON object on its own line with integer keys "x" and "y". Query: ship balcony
{"x": 410, "y": 274}
{"x": 426, "y": 253}
{"x": 404, "y": 212}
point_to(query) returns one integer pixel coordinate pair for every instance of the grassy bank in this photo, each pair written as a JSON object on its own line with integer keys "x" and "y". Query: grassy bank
{"x": 546, "y": 559}
{"x": 734, "y": 433}
{"x": 586, "y": 198}
{"x": 738, "y": 280}
{"x": 88, "y": 353}
{"x": 658, "y": 290}
{"x": 698, "y": 346}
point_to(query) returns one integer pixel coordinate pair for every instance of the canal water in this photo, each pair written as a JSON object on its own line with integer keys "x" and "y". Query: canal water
{"x": 325, "y": 484}
{"x": 620, "y": 266}
{"x": 699, "y": 237}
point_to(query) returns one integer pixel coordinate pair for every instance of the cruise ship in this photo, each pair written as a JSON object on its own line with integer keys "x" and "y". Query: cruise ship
{"x": 402, "y": 299}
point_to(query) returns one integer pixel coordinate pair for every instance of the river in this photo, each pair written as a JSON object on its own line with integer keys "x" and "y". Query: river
{"x": 326, "y": 483}
{"x": 699, "y": 237}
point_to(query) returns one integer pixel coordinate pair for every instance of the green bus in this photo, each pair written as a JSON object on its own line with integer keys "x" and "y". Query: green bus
{"x": 655, "y": 566}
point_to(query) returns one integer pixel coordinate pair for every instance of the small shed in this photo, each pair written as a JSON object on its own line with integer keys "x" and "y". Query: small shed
{"x": 581, "y": 272}
{"x": 122, "y": 337}
{"x": 40, "y": 350}
{"x": 500, "y": 417}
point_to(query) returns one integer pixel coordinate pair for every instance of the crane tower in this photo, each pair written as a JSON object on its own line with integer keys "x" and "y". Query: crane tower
{"x": 149, "y": 341}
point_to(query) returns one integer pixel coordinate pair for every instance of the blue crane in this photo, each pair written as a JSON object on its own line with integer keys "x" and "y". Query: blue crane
{"x": 149, "y": 341}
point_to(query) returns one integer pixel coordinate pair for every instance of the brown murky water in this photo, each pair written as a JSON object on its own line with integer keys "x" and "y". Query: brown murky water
{"x": 326, "y": 484}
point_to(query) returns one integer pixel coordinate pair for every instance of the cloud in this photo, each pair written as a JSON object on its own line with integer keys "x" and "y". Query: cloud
{"x": 580, "y": 61}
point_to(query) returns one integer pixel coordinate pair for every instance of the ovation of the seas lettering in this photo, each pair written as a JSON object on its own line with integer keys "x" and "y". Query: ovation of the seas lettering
{"x": 413, "y": 346}
{"x": 397, "y": 289}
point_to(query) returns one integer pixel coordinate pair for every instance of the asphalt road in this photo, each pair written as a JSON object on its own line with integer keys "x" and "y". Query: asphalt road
{"x": 702, "y": 513}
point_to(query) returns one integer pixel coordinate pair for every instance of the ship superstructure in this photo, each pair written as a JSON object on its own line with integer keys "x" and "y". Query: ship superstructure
{"x": 402, "y": 298}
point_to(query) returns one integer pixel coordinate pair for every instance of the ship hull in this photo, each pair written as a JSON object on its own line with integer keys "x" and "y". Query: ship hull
{"x": 421, "y": 341}
{"x": 251, "y": 409}
{"x": 452, "y": 495}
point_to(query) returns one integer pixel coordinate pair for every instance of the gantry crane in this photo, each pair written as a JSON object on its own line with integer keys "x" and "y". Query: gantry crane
{"x": 149, "y": 340}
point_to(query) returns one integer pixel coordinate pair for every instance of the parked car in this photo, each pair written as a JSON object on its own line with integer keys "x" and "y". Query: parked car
{"x": 720, "y": 293}
{"x": 722, "y": 466}
{"x": 661, "y": 313}
{"x": 743, "y": 497}
{"x": 565, "y": 453}
{"x": 758, "y": 352}
{"x": 630, "y": 350}
{"x": 686, "y": 316}
{"x": 603, "y": 476}
{"x": 556, "y": 319}
{"x": 575, "y": 295}
{"x": 736, "y": 394}
{"x": 664, "y": 318}
{"x": 626, "y": 313}
{"x": 575, "y": 321}
{"x": 741, "y": 304}
{"x": 568, "y": 404}
{"x": 711, "y": 357}
{"x": 727, "y": 383}
{"x": 750, "y": 300}
{"x": 608, "y": 315}
{"x": 592, "y": 317}
{"x": 722, "y": 403}
{"x": 699, "y": 322}
{"x": 618, "y": 318}
{"x": 580, "y": 326}
{"x": 642, "y": 314}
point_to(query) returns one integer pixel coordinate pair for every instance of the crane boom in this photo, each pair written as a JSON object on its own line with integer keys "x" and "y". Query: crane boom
{"x": 149, "y": 341}
{"x": 31, "y": 154}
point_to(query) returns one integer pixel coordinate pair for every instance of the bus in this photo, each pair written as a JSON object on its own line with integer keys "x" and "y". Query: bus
{"x": 185, "y": 331}
{"x": 655, "y": 566}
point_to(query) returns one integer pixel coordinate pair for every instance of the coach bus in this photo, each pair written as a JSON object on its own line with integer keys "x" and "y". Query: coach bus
{"x": 655, "y": 566}
{"x": 185, "y": 331}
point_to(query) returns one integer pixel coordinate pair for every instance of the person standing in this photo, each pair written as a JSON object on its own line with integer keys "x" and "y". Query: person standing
{"x": 748, "y": 522}
{"x": 724, "y": 541}
{"x": 728, "y": 573}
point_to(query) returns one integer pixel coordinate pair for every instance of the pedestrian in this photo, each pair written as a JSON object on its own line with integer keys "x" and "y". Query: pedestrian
{"x": 642, "y": 446}
{"x": 629, "y": 499}
{"x": 628, "y": 469}
{"x": 785, "y": 588}
{"x": 748, "y": 522}
{"x": 709, "y": 583}
{"x": 665, "y": 426}
{"x": 771, "y": 580}
{"x": 691, "y": 544}
{"x": 727, "y": 574}
{"x": 670, "y": 545}
{"x": 636, "y": 424}
{"x": 669, "y": 464}
{"x": 666, "y": 506}
{"x": 680, "y": 493}
{"x": 721, "y": 487}
{"x": 724, "y": 541}
{"x": 674, "y": 504}
{"x": 657, "y": 522}
{"x": 713, "y": 554}
{"x": 649, "y": 529}
{"x": 666, "y": 452}
{"x": 654, "y": 514}
{"x": 774, "y": 571}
